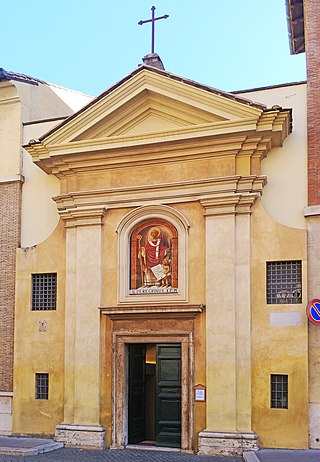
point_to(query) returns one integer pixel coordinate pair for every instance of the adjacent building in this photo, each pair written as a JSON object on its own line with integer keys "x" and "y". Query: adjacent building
{"x": 303, "y": 25}
{"x": 28, "y": 107}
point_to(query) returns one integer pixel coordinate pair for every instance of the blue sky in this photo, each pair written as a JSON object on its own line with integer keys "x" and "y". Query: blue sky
{"x": 90, "y": 45}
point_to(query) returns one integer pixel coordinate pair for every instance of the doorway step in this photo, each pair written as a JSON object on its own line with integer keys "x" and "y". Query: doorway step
{"x": 147, "y": 447}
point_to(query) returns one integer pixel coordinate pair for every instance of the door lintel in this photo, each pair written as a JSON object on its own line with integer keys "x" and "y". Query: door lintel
{"x": 152, "y": 311}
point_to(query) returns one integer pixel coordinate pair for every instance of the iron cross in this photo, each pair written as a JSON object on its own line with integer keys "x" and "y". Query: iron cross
{"x": 152, "y": 20}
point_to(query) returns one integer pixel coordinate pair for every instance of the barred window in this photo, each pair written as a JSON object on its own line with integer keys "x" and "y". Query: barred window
{"x": 44, "y": 291}
{"x": 284, "y": 282}
{"x": 42, "y": 386}
{"x": 279, "y": 391}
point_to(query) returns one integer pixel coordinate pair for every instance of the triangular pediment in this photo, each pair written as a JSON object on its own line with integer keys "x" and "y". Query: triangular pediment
{"x": 150, "y": 102}
{"x": 155, "y": 115}
{"x": 148, "y": 112}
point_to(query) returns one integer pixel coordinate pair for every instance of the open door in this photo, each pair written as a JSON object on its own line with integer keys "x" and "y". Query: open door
{"x": 165, "y": 395}
{"x": 136, "y": 398}
{"x": 168, "y": 395}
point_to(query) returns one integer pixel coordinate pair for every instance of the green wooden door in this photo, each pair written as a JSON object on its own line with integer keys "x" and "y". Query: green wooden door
{"x": 136, "y": 398}
{"x": 168, "y": 395}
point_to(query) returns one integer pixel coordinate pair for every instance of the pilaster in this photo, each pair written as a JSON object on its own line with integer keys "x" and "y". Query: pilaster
{"x": 81, "y": 426}
{"x": 228, "y": 319}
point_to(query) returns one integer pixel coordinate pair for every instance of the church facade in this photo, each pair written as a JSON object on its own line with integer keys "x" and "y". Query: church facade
{"x": 166, "y": 304}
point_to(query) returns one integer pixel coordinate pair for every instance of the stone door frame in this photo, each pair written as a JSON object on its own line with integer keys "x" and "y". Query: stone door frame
{"x": 120, "y": 384}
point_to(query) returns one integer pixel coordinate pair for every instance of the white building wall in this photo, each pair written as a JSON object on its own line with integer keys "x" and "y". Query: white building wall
{"x": 285, "y": 195}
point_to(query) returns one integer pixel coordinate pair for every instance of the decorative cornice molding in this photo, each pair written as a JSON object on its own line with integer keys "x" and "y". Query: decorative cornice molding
{"x": 170, "y": 193}
{"x": 115, "y": 152}
{"x": 278, "y": 122}
{"x": 229, "y": 204}
{"x": 12, "y": 179}
{"x": 152, "y": 311}
{"x": 195, "y": 144}
{"x": 311, "y": 211}
{"x": 256, "y": 146}
{"x": 83, "y": 216}
{"x": 8, "y": 394}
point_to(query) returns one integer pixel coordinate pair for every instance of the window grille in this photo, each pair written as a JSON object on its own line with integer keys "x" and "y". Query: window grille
{"x": 279, "y": 391}
{"x": 44, "y": 291}
{"x": 284, "y": 282}
{"x": 42, "y": 386}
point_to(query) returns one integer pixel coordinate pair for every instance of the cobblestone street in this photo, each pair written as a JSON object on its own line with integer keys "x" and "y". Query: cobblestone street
{"x": 124, "y": 455}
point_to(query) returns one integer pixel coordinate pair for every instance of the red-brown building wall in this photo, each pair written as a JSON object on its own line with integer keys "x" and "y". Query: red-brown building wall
{"x": 312, "y": 40}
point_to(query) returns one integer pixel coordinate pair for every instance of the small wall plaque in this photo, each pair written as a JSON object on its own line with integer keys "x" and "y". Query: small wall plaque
{"x": 200, "y": 393}
{"x": 43, "y": 326}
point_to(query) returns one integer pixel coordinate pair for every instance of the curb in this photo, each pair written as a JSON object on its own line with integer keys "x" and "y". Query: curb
{"x": 6, "y": 450}
{"x": 250, "y": 456}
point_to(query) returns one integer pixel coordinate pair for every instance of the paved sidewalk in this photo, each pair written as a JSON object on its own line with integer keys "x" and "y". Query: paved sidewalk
{"x": 26, "y": 446}
{"x": 288, "y": 455}
{"x": 35, "y": 450}
{"x": 115, "y": 455}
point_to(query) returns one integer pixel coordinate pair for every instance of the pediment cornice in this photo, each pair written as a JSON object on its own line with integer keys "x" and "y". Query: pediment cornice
{"x": 151, "y": 117}
{"x": 205, "y": 142}
{"x": 153, "y": 85}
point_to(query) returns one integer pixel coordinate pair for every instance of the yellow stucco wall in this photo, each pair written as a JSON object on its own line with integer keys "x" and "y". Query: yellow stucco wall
{"x": 278, "y": 349}
{"x": 35, "y": 351}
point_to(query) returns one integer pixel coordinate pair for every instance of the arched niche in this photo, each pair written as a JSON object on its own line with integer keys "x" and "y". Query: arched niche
{"x": 134, "y": 286}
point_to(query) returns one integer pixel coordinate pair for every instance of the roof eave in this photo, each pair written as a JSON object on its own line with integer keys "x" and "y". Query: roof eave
{"x": 8, "y": 75}
{"x": 295, "y": 23}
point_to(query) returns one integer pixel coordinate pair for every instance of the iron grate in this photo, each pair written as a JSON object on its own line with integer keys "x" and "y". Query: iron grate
{"x": 44, "y": 291}
{"x": 42, "y": 385}
{"x": 284, "y": 282}
{"x": 279, "y": 391}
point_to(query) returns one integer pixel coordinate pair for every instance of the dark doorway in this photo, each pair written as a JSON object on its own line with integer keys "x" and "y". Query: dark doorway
{"x": 154, "y": 395}
{"x": 137, "y": 378}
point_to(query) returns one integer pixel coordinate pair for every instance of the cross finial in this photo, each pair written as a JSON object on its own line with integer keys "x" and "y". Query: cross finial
{"x": 152, "y": 20}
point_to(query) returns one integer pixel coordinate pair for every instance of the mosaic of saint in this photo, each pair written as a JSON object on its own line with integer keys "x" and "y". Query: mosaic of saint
{"x": 154, "y": 258}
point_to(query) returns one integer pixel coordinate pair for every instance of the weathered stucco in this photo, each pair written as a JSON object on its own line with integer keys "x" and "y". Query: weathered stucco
{"x": 39, "y": 351}
{"x": 198, "y": 165}
{"x": 278, "y": 349}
